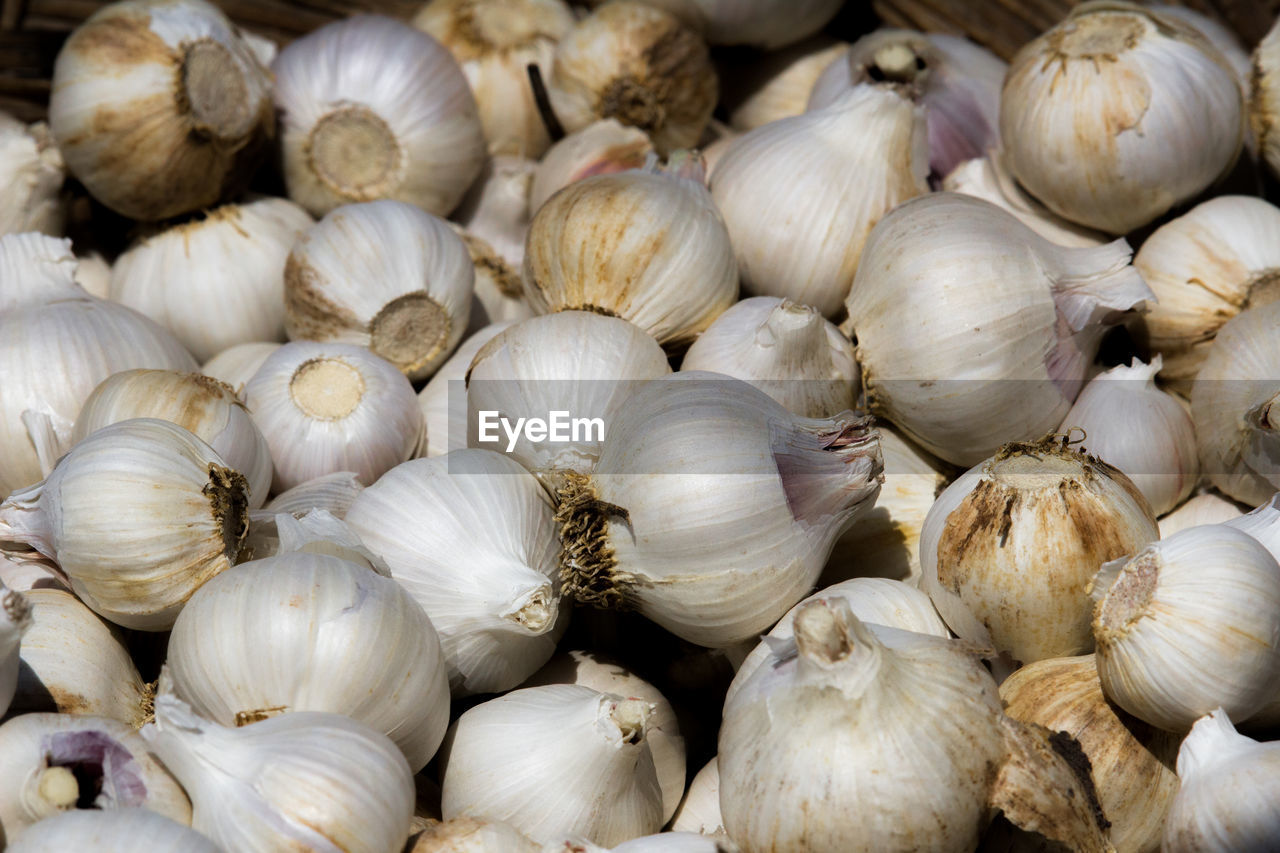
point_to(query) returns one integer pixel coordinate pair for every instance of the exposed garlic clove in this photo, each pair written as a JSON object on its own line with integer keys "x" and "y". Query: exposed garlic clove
{"x": 776, "y": 85}
{"x": 138, "y": 515}
{"x": 601, "y": 148}
{"x": 113, "y": 831}
{"x": 383, "y": 275}
{"x": 1264, "y": 97}
{"x": 555, "y": 760}
{"x": 496, "y": 208}
{"x": 469, "y": 835}
{"x": 1118, "y": 114}
{"x": 1207, "y": 508}
{"x": 217, "y": 281}
{"x": 443, "y": 400}
{"x": 15, "y": 620}
{"x": 332, "y": 493}
{"x": 372, "y": 109}
{"x": 236, "y": 365}
{"x": 498, "y": 296}
{"x": 329, "y": 407}
{"x": 160, "y": 109}
{"x": 973, "y": 330}
{"x": 700, "y": 809}
{"x": 31, "y": 174}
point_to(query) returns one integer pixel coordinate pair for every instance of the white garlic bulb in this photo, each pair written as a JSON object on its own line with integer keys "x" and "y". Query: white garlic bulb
{"x": 494, "y": 41}
{"x": 469, "y": 835}
{"x": 496, "y": 208}
{"x": 785, "y": 349}
{"x": 209, "y": 409}
{"x": 31, "y": 173}
{"x": 332, "y": 493}
{"x": 700, "y": 809}
{"x": 1264, "y": 96}
{"x": 309, "y": 780}
{"x": 160, "y": 107}
{"x": 648, "y": 246}
{"x": 385, "y": 275}
{"x": 695, "y": 460}
{"x": 1117, "y": 114}
{"x": 15, "y": 619}
{"x": 972, "y": 330}
{"x": 329, "y": 407}
{"x": 777, "y": 85}
{"x": 236, "y": 365}
{"x": 494, "y": 598}
{"x": 216, "y": 281}
{"x": 638, "y": 64}
{"x": 56, "y": 344}
{"x": 800, "y": 195}
{"x": 600, "y": 148}
{"x": 443, "y": 400}
{"x": 372, "y": 108}
{"x": 138, "y": 515}
{"x": 1206, "y": 508}
{"x": 498, "y": 296}
{"x": 1134, "y": 426}
{"x": 1190, "y": 624}
{"x": 1205, "y": 267}
{"x": 113, "y": 831}
{"x": 1228, "y": 798}
{"x": 52, "y": 763}
{"x": 526, "y": 372}
{"x": 555, "y": 760}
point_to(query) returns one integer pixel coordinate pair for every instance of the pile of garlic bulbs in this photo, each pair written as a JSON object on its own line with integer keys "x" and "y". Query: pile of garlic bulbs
{"x": 722, "y": 426}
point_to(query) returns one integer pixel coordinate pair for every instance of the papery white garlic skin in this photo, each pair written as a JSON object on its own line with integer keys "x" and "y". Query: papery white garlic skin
{"x": 498, "y": 296}
{"x": 1223, "y": 38}
{"x": 1207, "y": 508}
{"x": 1264, "y": 97}
{"x": 1189, "y": 624}
{"x": 236, "y": 365}
{"x": 777, "y": 85}
{"x": 442, "y": 400}
{"x": 94, "y": 274}
{"x": 332, "y": 493}
{"x": 700, "y": 809}
{"x": 217, "y": 281}
{"x": 31, "y": 173}
{"x": 469, "y": 835}
{"x": 160, "y": 108}
{"x": 557, "y": 759}
{"x": 1117, "y": 114}
{"x": 383, "y": 275}
{"x": 24, "y": 575}
{"x": 496, "y": 208}
{"x": 329, "y": 407}
{"x": 15, "y": 620}
{"x": 112, "y": 831}
{"x": 600, "y": 148}
{"x": 389, "y": 93}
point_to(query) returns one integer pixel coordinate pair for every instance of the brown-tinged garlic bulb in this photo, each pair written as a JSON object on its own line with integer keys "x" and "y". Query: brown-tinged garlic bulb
{"x": 601, "y": 148}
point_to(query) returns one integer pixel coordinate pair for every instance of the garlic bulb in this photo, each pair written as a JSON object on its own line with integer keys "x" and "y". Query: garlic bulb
{"x": 56, "y": 344}
{"x": 601, "y": 148}
{"x": 1139, "y": 429}
{"x": 973, "y": 330}
{"x": 469, "y": 835}
{"x": 1205, "y": 267}
{"x": 1190, "y": 624}
{"x": 987, "y": 178}
{"x": 236, "y": 365}
{"x": 525, "y": 373}
{"x": 15, "y": 619}
{"x": 777, "y": 85}
{"x": 209, "y": 409}
{"x": 216, "y": 281}
{"x": 160, "y": 107}
{"x": 958, "y": 83}
{"x": 498, "y": 296}
{"x": 1207, "y": 508}
{"x": 496, "y": 208}
{"x": 1264, "y": 96}
{"x": 332, "y": 493}
{"x": 384, "y": 275}
{"x": 648, "y": 246}
{"x": 555, "y": 760}
{"x": 329, "y": 407}
{"x": 138, "y": 515}
{"x": 700, "y": 809}
{"x": 372, "y": 108}
{"x": 74, "y": 663}
{"x": 494, "y": 41}
{"x": 693, "y": 461}
{"x": 494, "y": 599}
{"x": 1231, "y": 402}
{"x": 443, "y": 401}
{"x": 52, "y": 763}
{"x": 800, "y": 195}
{"x": 786, "y": 350}
{"x": 114, "y": 831}
{"x": 309, "y": 780}
{"x": 1131, "y": 762}
{"x": 31, "y": 173}
{"x": 1009, "y": 548}
{"x": 1228, "y": 799}
{"x": 1118, "y": 114}
{"x": 663, "y": 731}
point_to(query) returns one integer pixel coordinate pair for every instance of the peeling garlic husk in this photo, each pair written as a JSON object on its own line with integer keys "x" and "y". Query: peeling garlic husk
{"x": 1264, "y": 97}
{"x": 93, "y": 273}
{"x": 24, "y": 575}
{"x": 469, "y": 835}
{"x": 138, "y": 515}
{"x": 31, "y": 175}
{"x": 332, "y": 493}
{"x": 112, "y": 831}
{"x": 777, "y": 85}
{"x": 383, "y": 275}
{"x": 601, "y": 148}
{"x": 972, "y": 330}
{"x": 1206, "y": 508}
{"x": 498, "y": 296}
{"x": 496, "y": 208}
{"x": 555, "y": 760}
{"x": 217, "y": 281}
{"x": 387, "y": 93}
{"x": 443, "y": 400}
{"x": 699, "y": 811}
{"x": 1118, "y": 114}
{"x": 52, "y": 763}
{"x": 785, "y": 349}
{"x": 15, "y": 620}
{"x": 236, "y": 365}
{"x": 160, "y": 107}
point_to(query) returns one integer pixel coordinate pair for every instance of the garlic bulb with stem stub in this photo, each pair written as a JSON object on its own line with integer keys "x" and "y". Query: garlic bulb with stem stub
{"x": 215, "y": 281}
{"x": 776, "y": 85}
{"x": 555, "y": 760}
{"x": 696, "y": 459}
{"x": 700, "y": 809}
{"x": 15, "y": 619}
{"x": 138, "y": 515}
{"x": 329, "y": 407}
{"x": 972, "y": 330}
{"x": 496, "y": 208}
{"x": 236, "y": 365}
{"x": 600, "y": 148}
{"x": 31, "y": 174}
{"x": 494, "y": 600}
{"x": 1119, "y": 113}
{"x": 442, "y": 400}
{"x": 160, "y": 108}
{"x": 112, "y": 831}
{"x": 372, "y": 108}
{"x": 1208, "y": 507}
{"x": 310, "y": 780}
{"x": 648, "y": 246}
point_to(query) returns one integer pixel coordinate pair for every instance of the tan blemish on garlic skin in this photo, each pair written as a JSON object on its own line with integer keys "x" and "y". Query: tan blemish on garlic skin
{"x": 354, "y": 153}
{"x": 409, "y": 331}
{"x": 327, "y": 389}
{"x": 310, "y": 315}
